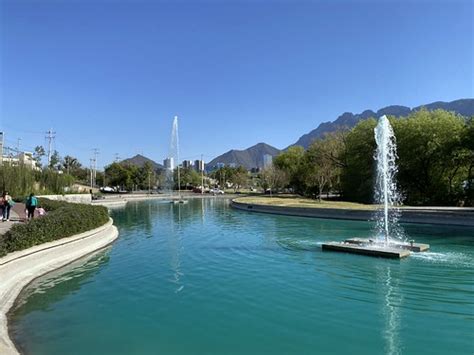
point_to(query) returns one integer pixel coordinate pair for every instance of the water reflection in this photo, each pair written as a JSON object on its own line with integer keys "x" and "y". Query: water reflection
{"x": 391, "y": 306}
{"x": 175, "y": 245}
{"x": 58, "y": 284}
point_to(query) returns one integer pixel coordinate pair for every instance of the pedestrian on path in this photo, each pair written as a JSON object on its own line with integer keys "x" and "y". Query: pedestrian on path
{"x": 31, "y": 204}
{"x": 7, "y": 203}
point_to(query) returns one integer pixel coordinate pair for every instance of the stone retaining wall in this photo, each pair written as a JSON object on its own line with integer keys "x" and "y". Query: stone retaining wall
{"x": 441, "y": 216}
{"x": 73, "y": 198}
{"x": 19, "y": 268}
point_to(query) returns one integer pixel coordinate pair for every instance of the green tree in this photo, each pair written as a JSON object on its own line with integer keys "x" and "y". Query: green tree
{"x": 188, "y": 178}
{"x": 468, "y": 144}
{"x": 55, "y": 160}
{"x": 291, "y": 162}
{"x": 239, "y": 178}
{"x": 358, "y": 156}
{"x": 433, "y": 163}
{"x": 323, "y": 164}
{"x": 119, "y": 175}
{"x": 273, "y": 178}
{"x": 434, "y": 159}
{"x": 71, "y": 164}
{"x": 38, "y": 154}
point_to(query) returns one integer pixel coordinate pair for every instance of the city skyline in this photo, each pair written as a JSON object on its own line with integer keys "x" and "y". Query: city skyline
{"x": 112, "y": 75}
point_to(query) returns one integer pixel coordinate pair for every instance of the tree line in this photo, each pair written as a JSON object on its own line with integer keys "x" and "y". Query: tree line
{"x": 435, "y": 161}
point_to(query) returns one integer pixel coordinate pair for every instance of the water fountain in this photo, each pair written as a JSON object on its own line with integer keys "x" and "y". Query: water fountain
{"x": 389, "y": 240}
{"x": 174, "y": 159}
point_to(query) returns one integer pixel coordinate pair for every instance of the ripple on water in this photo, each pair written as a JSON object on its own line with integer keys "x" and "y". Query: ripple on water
{"x": 203, "y": 278}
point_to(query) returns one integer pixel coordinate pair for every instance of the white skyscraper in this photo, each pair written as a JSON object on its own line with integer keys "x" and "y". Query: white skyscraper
{"x": 169, "y": 163}
{"x": 267, "y": 160}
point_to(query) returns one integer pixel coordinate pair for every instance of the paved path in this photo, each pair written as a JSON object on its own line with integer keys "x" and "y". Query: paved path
{"x": 17, "y": 214}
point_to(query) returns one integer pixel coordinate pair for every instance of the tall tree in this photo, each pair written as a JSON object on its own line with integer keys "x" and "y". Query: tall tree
{"x": 38, "y": 154}
{"x": 291, "y": 162}
{"x": 71, "y": 164}
{"x": 323, "y": 163}
{"x": 55, "y": 160}
{"x": 273, "y": 178}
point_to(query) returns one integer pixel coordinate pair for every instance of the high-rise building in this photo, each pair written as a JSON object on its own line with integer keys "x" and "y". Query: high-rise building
{"x": 187, "y": 163}
{"x": 199, "y": 165}
{"x": 267, "y": 160}
{"x": 169, "y": 163}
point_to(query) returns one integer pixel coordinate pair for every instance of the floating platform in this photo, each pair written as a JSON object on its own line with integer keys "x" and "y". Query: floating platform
{"x": 372, "y": 248}
{"x": 412, "y": 246}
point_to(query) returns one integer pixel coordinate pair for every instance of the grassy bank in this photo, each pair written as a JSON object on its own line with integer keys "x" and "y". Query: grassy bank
{"x": 298, "y": 201}
{"x": 62, "y": 220}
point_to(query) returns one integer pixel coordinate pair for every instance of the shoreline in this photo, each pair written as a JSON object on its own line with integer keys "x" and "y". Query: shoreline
{"x": 18, "y": 269}
{"x": 122, "y": 200}
{"x": 455, "y": 216}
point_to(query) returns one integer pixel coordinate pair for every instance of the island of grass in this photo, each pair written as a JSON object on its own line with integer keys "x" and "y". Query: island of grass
{"x": 294, "y": 205}
{"x": 299, "y": 201}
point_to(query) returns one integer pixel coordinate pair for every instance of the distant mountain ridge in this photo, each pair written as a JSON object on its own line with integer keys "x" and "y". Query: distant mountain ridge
{"x": 253, "y": 156}
{"x": 248, "y": 158}
{"x": 139, "y": 161}
{"x": 464, "y": 107}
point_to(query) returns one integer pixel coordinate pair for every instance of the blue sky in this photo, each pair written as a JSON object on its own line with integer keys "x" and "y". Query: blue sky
{"x": 112, "y": 74}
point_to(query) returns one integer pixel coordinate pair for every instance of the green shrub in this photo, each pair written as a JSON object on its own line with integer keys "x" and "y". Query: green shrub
{"x": 62, "y": 220}
{"x": 3, "y": 246}
{"x": 52, "y": 205}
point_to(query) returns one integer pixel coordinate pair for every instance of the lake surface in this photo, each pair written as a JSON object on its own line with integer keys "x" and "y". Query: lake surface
{"x": 203, "y": 278}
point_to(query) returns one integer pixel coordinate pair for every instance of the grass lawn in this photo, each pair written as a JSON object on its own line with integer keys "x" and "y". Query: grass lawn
{"x": 298, "y": 201}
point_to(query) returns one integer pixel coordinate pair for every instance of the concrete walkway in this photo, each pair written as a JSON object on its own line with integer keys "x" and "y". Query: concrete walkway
{"x": 15, "y": 217}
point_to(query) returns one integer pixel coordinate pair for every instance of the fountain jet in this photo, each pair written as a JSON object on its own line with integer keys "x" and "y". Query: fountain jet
{"x": 389, "y": 241}
{"x": 386, "y": 192}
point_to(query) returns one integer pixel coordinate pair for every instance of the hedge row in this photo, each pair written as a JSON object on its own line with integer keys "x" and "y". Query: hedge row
{"x": 62, "y": 220}
{"x": 52, "y": 205}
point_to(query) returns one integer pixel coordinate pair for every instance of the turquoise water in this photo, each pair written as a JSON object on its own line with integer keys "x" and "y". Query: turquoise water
{"x": 203, "y": 278}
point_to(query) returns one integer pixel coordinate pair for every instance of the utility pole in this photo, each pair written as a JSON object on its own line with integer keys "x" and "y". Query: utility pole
{"x": 50, "y": 135}
{"x": 91, "y": 172}
{"x": 117, "y": 158}
{"x": 18, "y": 145}
{"x": 96, "y": 153}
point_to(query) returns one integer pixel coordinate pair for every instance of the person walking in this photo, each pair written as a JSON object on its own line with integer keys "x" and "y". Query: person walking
{"x": 31, "y": 204}
{"x": 7, "y": 203}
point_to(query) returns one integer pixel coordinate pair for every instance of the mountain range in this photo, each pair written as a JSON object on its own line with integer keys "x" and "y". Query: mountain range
{"x": 249, "y": 158}
{"x": 252, "y": 157}
{"x": 464, "y": 107}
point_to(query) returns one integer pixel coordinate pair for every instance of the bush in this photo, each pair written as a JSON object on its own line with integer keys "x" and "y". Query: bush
{"x": 63, "y": 220}
{"x": 53, "y": 205}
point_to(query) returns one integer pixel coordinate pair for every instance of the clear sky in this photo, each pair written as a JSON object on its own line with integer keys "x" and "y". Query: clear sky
{"x": 112, "y": 74}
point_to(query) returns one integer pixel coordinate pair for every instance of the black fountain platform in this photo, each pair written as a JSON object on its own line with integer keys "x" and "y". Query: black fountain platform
{"x": 373, "y": 248}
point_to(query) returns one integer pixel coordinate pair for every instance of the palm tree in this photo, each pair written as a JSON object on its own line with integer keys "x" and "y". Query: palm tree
{"x": 71, "y": 163}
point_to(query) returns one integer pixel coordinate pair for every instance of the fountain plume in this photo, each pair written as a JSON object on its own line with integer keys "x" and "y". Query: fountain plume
{"x": 386, "y": 192}
{"x": 173, "y": 156}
